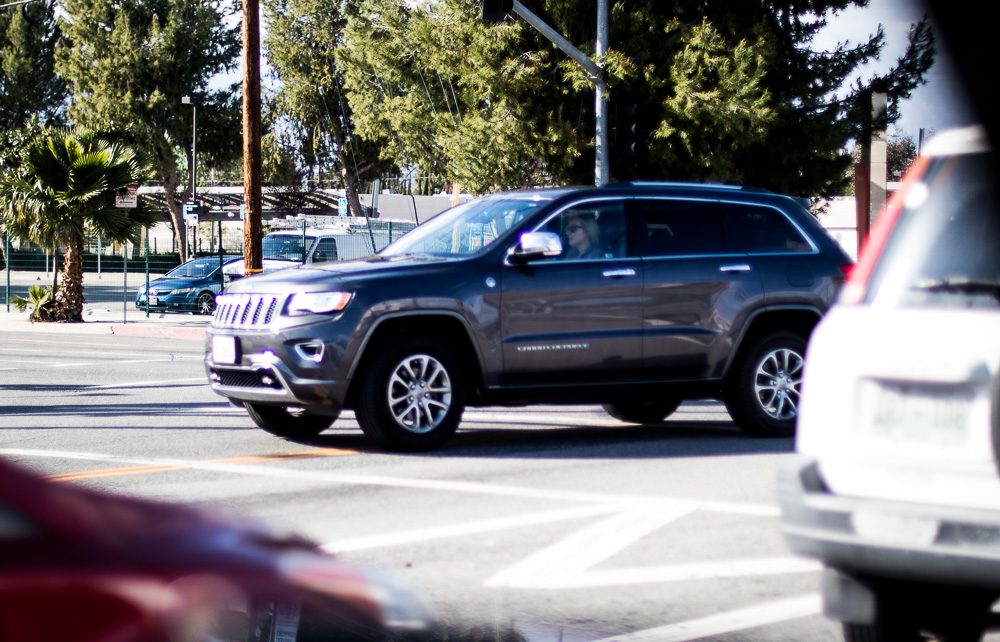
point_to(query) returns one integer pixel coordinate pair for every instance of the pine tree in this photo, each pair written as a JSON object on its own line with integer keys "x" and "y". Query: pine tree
{"x": 301, "y": 45}
{"x": 129, "y": 62}
{"x": 457, "y": 98}
{"x": 727, "y": 90}
{"x": 28, "y": 82}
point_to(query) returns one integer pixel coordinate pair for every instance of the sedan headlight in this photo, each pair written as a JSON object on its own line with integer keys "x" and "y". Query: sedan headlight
{"x": 183, "y": 290}
{"x": 318, "y": 302}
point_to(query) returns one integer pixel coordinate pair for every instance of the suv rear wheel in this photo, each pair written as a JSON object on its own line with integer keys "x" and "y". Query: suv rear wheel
{"x": 412, "y": 395}
{"x": 642, "y": 412}
{"x": 285, "y": 422}
{"x": 762, "y": 393}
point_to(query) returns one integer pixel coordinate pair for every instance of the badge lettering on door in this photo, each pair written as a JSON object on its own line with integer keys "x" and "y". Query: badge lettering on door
{"x": 564, "y": 346}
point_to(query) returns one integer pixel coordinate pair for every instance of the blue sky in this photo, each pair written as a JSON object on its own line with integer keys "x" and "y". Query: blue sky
{"x": 936, "y": 106}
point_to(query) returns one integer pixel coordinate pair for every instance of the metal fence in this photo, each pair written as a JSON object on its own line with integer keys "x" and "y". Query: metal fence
{"x": 114, "y": 273}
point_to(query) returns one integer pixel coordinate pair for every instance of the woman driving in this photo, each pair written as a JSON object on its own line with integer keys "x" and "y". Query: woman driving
{"x": 583, "y": 236}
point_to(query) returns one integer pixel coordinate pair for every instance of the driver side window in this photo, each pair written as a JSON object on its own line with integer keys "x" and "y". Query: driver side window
{"x": 591, "y": 231}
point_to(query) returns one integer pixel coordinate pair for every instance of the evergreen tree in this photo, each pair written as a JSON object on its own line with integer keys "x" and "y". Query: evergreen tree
{"x": 302, "y": 39}
{"x": 724, "y": 90}
{"x": 129, "y": 62}
{"x": 484, "y": 107}
{"x": 28, "y": 82}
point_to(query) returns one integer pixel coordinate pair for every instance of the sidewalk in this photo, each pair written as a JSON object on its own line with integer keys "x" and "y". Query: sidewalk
{"x": 104, "y": 318}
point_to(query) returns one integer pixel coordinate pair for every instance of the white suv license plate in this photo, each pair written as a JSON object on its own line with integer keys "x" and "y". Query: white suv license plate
{"x": 922, "y": 414}
{"x": 224, "y": 349}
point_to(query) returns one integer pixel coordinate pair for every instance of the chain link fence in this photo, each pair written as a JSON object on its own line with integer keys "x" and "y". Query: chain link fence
{"x": 115, "y": 273}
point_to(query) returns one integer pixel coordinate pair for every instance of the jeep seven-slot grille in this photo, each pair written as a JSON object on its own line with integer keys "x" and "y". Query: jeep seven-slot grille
{"x": 245, "y": 310}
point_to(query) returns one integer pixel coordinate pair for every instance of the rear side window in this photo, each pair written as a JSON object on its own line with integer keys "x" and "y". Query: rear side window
{"x": 680, "y": 228}
{"x": 326, "y": 250}
{"x": 764, "y": 230}
{"x": 945, "y": 248}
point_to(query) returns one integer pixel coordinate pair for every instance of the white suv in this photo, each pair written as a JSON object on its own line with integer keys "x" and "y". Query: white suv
{"x": 896, "y": 487}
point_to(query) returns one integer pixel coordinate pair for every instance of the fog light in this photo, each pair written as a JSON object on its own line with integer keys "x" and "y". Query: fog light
{"x": 215, "y": 376}
{"x": 311, "y": 351}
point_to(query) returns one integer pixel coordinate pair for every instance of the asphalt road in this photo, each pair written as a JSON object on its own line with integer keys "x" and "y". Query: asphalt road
{"x": 557, "y": 523}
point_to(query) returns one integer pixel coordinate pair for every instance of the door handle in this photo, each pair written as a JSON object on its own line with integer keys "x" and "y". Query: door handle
{"x": 619, "y": 272}
{"x": 740, "y": 267}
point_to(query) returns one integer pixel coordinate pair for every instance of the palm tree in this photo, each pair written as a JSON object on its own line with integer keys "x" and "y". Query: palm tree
{"x": 65, "y": 189}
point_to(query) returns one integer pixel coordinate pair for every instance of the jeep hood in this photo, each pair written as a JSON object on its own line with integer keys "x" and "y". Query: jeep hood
{"x": 301, "y": 278}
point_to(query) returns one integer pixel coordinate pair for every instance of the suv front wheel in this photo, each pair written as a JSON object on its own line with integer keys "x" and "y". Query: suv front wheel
{"x": 412, "y": 395}
{"x": 762, "y": 393}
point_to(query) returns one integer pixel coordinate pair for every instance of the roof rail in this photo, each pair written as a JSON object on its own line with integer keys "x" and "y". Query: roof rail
{"x": 737, "y": 188}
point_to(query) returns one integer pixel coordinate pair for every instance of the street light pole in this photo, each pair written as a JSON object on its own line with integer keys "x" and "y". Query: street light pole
{"x": 194, "y": 158}
{"x": 194, "y": 147}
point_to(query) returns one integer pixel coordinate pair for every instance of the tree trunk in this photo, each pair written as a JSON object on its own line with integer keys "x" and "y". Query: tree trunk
{"x": 168, "y": 176}
{"x": 349, "y": 177}
{"x": 55, "y": 270}
{"x": 69, "y": 299}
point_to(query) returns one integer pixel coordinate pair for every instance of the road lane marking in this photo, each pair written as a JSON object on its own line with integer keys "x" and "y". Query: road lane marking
{"x": 100, "y": 353}
{"x": 569, "y": 563}
{"x": 150, "y": 468}
{"x": 148, "y": 384}
{"x": 469, "y": 528}
{"x": 559, "y": 565}
{"x": 722, "y": 623}
{"x": 475, "y": 488}
{"x": 172, "y": 347}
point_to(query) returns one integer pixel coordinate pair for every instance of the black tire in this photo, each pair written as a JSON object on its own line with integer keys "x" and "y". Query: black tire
{"x": 762, "y": 391}
{"x": 881, "y": 633}
{"x": 425, "y": 420}
{"x": 205, "y": 304}
{"x": 642, "y": 412}
{"x": 280, "y": 421}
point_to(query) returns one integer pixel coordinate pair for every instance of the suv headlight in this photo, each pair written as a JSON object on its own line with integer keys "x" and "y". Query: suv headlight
{"x": 318, "y": 302}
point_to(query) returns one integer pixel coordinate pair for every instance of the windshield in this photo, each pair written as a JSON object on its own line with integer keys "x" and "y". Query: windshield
{"x": 945, "y": 249}
{"x": 284, "y": 246}
{"x": 466, "y": 229}
{"x": 197, "y": 268}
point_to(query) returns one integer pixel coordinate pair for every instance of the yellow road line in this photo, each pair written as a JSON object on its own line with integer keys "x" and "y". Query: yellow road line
{"x": 244, "y": 459}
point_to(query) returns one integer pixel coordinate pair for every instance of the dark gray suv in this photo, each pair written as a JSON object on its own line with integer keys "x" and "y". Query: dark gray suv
{"x": 636, "y": 296}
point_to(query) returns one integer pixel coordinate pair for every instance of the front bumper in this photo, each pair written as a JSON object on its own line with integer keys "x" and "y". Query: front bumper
{"x": 183, "y": 303}
{"x": 936, "y": 544}
{"x": 273, "y": 369}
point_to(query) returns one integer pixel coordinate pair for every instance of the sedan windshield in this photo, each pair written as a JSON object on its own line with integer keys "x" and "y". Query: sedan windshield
{"x": 466, "y": 229}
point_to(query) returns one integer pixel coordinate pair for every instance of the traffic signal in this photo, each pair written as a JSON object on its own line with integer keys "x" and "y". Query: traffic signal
{"x": 627, "y": 124}
{"x": 496, "y": 10}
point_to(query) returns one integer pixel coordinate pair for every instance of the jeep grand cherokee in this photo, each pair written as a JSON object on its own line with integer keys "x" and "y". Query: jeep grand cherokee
{"x": 680, "y": 291}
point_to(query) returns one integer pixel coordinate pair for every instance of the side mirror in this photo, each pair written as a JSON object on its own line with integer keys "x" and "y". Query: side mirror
{"x": 536, "y": 245}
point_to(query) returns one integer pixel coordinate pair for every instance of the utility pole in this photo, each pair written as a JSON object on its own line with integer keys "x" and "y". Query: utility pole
{"x": 252, "y": 254}
{"x": 870, "y": 174}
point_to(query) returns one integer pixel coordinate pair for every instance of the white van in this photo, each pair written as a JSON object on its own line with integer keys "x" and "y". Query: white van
{"x": 316, "y": 245}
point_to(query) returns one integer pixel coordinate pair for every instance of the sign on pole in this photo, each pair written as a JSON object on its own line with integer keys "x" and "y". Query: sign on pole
{"x": 130, "y": 200}
{"x": 342, "y": 207}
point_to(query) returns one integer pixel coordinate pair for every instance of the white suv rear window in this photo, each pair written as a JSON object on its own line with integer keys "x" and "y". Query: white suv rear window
{"x": 945, "y": 248}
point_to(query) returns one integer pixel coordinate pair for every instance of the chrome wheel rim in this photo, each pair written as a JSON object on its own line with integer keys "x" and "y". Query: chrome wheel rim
{"x": 206, "y": 304}
{"x": 778, "y": 382}
{"x": 419, "y": 393}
